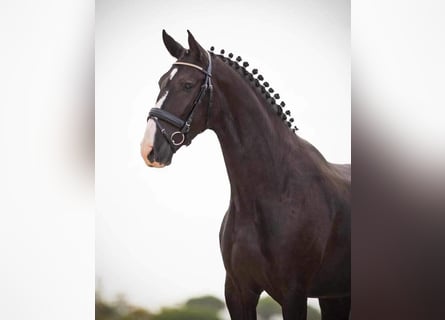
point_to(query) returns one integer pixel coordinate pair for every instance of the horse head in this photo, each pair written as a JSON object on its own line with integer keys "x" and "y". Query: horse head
{"x": 182, "y": 108}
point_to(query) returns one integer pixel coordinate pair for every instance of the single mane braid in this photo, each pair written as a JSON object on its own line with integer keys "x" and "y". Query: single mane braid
{"x": 255, "y": 80}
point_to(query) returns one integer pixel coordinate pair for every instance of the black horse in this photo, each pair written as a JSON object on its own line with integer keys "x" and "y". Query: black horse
{"x": 287, "y": 229}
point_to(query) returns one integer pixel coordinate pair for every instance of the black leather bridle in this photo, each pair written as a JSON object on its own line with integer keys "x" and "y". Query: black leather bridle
{"x": 177, "y": 138}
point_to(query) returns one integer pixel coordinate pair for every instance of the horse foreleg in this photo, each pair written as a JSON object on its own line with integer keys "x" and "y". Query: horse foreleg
{"x": 335, "y": 308}
{"x": 294, "y": 307}
{"x": 240, "y": 301}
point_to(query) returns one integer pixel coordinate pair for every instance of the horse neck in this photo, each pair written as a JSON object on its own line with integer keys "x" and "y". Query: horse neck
{"x": 259, "y": 150}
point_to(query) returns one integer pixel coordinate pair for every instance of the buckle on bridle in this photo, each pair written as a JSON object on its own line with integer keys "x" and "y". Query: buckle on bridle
{"x": 186, "y": 127}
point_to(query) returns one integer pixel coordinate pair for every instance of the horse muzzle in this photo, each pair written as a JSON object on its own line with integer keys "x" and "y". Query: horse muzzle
{"x": 147, "y": 149}
{"x": 150, "y": 160}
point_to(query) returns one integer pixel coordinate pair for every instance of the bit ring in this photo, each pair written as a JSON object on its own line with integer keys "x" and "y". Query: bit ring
{"x": 174, "y": 134}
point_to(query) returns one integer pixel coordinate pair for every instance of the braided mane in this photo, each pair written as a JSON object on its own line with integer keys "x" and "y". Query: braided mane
{"x": 268, "y": 93}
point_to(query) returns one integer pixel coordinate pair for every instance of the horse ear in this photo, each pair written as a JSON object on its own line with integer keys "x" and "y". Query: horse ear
{"x": 175, "y": 49}
{"x": 195, "y": 47}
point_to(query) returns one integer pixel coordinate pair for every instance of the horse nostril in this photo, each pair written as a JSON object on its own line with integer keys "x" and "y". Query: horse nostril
{"x": 151, "y": 156}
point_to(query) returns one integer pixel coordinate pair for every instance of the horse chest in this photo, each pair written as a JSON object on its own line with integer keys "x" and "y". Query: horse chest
{"x": 250, "y": 252}
{"x": 269, "y": 248}
{"x": 241, "y": 250}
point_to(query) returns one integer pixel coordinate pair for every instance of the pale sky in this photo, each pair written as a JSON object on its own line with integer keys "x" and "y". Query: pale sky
{"x": 156, "y": 236}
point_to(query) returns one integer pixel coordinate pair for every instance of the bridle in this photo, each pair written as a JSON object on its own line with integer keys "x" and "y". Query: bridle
{"x": 177, "y": 138}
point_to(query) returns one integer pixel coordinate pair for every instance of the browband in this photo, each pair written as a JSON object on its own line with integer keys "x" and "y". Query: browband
{"x": 194, "y": 66}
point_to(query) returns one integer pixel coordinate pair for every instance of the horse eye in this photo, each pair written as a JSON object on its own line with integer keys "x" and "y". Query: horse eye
{"x": 187, "y": 86}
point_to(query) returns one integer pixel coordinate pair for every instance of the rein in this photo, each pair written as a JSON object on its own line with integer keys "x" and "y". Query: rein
{"x": 177, "y": 138}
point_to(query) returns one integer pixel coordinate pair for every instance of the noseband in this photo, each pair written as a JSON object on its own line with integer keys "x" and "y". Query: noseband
{"x": 177, "y": 138}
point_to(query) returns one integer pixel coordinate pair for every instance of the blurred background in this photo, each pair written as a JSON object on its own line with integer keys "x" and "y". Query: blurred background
{"x": 156, "y": 237}
{"x": 197, "y": 308}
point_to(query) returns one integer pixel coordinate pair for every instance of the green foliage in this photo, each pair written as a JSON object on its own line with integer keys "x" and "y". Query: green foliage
{"x": 119, "y": 310}
{"x": 267, "y": 307}
{"x": 138, "y": 314}
{"x": 186, "y": 313}
{"x": 210, "y": 303}
{"x": 200, "y": 308}
{"x": 105, "y": 311}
